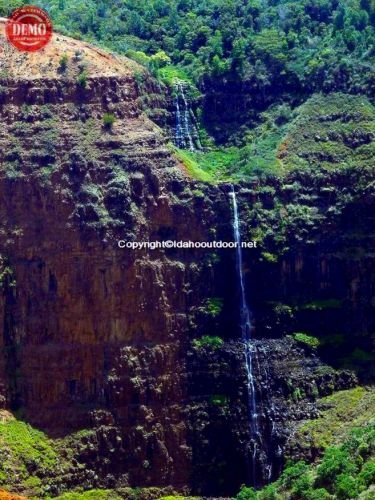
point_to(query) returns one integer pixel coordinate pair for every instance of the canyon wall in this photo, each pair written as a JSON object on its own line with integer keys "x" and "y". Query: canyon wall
{"x": 98, "y": 337}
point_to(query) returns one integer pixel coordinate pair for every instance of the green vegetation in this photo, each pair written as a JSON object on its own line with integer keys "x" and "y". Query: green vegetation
{"x": 173, "y": 498}
{"x": 169, "y": 74}
{"x": 218, "y": 400}
{"x": 82, "y": 79}
{"x": 63, "y": 63}
{"x": 257, "y": 157}
{"x": 274, "y": 56}
{"x": 213, "y": 306}
{"x": 342, "y": 411}
{"x": 320, "y": 305}
{"x": 297, "y": 394}
{"x": 306, "y": 340}
{"x": 344, "y": 472}
{"x": 327, "y": 132}
{"x": 7, "y": 6}
{"x": 108, "y": 120}
{"x": 27, "y": 456}
{"x": 345, "y": 437}
{"x": 214, "y": 342}
{"x": 270, "y": 257}
{"x": 91, "y": 495}
{"x": 324, "y": 45}
{"x": 197, "y": 193}
{"x": 330, "y": 130}
{"x": 121, "y": 493}
{"x": 217, "y": 163}
{"x": 301, "y": 76}
{"x": 192, "y": 167}
{"x": 154, "y": 62}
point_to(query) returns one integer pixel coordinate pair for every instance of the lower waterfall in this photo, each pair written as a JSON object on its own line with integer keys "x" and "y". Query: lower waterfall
{"x": 261, "y": 469}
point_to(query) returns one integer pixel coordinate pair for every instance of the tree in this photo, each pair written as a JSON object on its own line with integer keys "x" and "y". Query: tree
{"x": 8, "y": 6}
{"x": 347, "y": 487}
{"x": 335, "y": 462}
{"x": 160, "y": 60}
{"x": 246, "y": 493}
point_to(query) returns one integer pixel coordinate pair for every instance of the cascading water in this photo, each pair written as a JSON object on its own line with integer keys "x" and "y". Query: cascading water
{"x": 186, "y": 131}
{"x": 245, "y": 323}
{"x": 258, "y": 454}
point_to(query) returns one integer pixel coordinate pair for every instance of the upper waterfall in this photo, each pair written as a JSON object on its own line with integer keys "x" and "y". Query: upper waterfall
{"x": 186, "y": 129}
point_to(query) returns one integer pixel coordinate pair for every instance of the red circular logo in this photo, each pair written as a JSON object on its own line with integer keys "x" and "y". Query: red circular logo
{"x": 29, "y": 28}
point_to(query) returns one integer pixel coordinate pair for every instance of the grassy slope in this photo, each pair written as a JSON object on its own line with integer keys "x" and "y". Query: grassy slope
{"x": 340, "y": 413}
{"x": 344, "y": 437}
{"x": 337, "y": 130}
{"x": 326, "y": 132}
{"x": 26, "y": 456}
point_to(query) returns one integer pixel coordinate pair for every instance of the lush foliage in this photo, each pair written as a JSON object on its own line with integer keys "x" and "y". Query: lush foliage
{"x": 313, "y": 44}
{"x": 192, "y": 167}
{"x": 327, "y": 132}
{"x": 27, "y": 455}
{"x": 213, "y": 306}
{"x": 276, "y": 53}
{"x": 343, "y": 411}
{"x": 91, "y": 495}
{"x": 212, "y": 341}
{"x": 307, "y": 340}
{"x": 344, "y": 472}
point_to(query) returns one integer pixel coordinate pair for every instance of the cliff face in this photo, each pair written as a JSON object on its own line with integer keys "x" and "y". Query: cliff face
{"x": 94, "y": 336}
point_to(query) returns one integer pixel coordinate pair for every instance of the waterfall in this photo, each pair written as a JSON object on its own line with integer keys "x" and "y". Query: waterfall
{"x": 249, "y": 348}
{"x": 186, "y": 131}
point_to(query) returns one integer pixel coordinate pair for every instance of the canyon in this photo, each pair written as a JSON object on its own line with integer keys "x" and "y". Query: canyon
{"x": 100, "y": 346}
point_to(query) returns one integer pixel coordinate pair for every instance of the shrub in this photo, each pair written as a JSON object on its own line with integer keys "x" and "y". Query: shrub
{"x": 159, "y": 60}
{"x": 306, "y": 340}
{"x": 246, "y": 493}
{"x": 297, "y": 394}
{"x": 82, "y": 79}
{"x": 302, "y": 487}
{"x": 270, "y": 257}
{"x": 7, "y": 278}
{"x": 77, "y": 55}
{"x": 218, "y": 399}
{"x": 97, "y": 494}
{"x": 214, "y": 342}
{"x": 63, "y": 62}
{"x": 197, "y": 193}
{"x": 292, "y": 473}
{"x": 108, "y": 120}
{"x": 319, "y": 494}
{"x": 347, "y": 487}
{"x": 335, "y": 462}
{"x": 283, "y": 311}
{"x": 367, "y": 474}
{"x": 213, "y": 306}
{"x": 320, "y": 305}
{"x": 269, "y": 493}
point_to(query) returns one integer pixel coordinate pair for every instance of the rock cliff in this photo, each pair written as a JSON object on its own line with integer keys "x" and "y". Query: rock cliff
{"x": 97, "y": 337}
